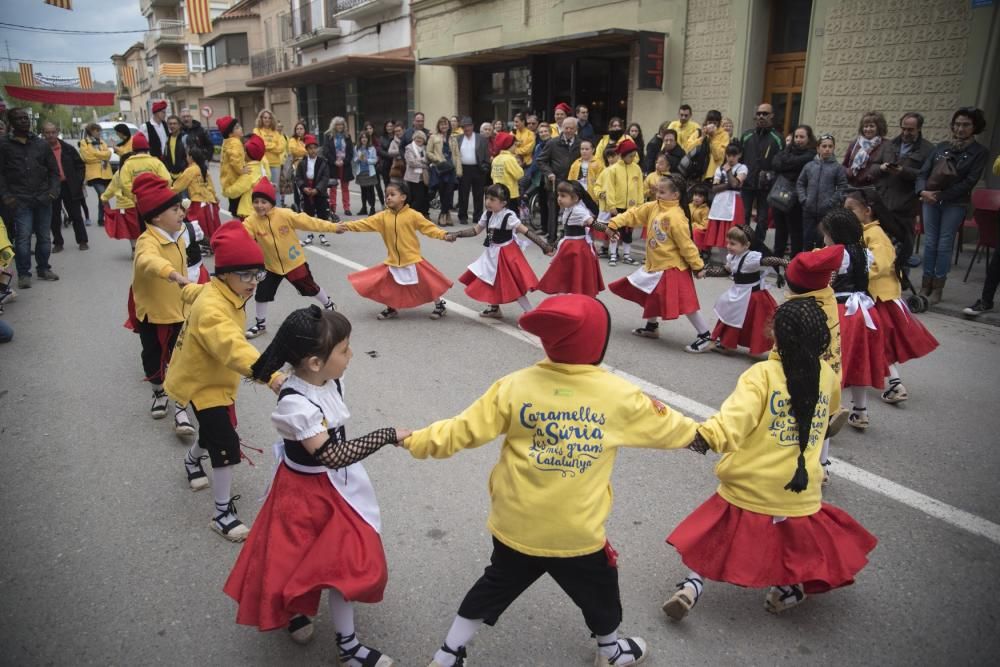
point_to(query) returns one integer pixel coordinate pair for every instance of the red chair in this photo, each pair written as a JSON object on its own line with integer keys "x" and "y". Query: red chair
{"x": 986, "y": 214}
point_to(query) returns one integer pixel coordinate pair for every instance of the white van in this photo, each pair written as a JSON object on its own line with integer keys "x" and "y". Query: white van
{"x": 110, "y": 137}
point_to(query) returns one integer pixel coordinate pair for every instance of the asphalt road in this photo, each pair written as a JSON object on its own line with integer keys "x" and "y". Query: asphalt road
{"x": 108, "y": 558}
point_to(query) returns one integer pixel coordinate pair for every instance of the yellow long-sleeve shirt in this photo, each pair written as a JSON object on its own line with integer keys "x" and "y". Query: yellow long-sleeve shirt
{"x": 297, "y": 149}
{"x": 212, "y": 354}
{"x": 242, "y": 187}
{"x": 125, "y": 148}
{"x": 231, "y": 162}
{"x": 623, "y": 185}
{"x": 399, "y": 233}
{"x": 199, "y": 189}
{"x": 758, "y": 439}
{"x": 668, "y": 239}
{"x": 699, "y": 216}
{"x": 883, "y": 283}
{"x": 716, "y": 152}
{"x": 121, "y": 185}
{"x": 562, "y": 424}
{"x": 686, "y": 133}
{"x": 594, "y": 170}
{"x": 95, "y": 160}
{"x": 602, "y": 143}
{"x": 274, "y": 144}
{"x": 826, "y": 299}
{"x": 600, "y": 186}
{"x": 652, "y": 183}
{"x": 275, "y": 234}
{"x": 524, "y": 145}
{"x": 156, "y": 257}
{"x": 505, "y": 169}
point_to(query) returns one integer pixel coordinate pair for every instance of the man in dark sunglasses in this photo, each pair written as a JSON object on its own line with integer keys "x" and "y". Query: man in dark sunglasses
{"x": 760, "y": 145}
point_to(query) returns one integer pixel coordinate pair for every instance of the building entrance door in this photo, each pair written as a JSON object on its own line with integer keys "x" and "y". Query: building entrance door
{"x": 786, "y": 61}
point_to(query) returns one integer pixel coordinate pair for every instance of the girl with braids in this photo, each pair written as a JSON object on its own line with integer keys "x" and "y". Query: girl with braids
{"x": 574, "y": 269}
{"x": 663, "y": 285}
{"x": 746, "y": 308}
{"x": 501, "y": 274}
{"x": 204, "y": 208}
{"x": 861, "y": 332}
{"x": 905, "y": 336}
{"x": 319, "y": 526}
{"x": 405, "y": 279}
{"x": 766, "y": 525}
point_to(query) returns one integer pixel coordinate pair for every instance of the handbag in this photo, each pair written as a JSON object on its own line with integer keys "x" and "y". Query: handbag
{"x": 943, "y": 174}
{"x": 694, "y": 163}
{"x": 782, "y": 196}
{"x": 286, "y": 178}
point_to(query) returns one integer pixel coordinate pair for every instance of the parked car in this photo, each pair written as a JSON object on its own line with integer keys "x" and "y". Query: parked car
{"x": 110, "y": 137}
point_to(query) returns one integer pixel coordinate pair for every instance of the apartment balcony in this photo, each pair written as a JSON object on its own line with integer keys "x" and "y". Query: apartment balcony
{"x": 172, "y": 77}
{"x": 226, "y": 80}
{"x": 353, "y": 10}
{"x": 310, "y": 23}
{"x": 146, "y": 6}
{"x": 166, "y": 32}
{"x": 271, "y": 61}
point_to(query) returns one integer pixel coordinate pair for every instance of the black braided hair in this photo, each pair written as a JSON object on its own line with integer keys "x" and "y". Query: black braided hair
{"x": 577, "y": 190}
{"x": 898, "y": 233}
{"x": 844, "y": 228}
{"x": 681, "y": 188}
{"x": 306, "y": 332}
{"x": 198, "y": 157}
{"x": 802, "y": 335}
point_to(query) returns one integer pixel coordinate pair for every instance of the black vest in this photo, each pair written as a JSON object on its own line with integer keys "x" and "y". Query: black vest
{"x": 294, "y": 449}
{"x": 749, "y": 278}
{"x": 496, "y": 236}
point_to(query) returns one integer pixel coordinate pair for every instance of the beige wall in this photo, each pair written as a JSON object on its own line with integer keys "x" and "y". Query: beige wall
{"x": 709, "y": 57}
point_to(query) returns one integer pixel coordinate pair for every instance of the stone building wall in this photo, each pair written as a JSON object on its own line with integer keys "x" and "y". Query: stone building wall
{"x": 893, "y": 56}
{"x": 709, "y": 58}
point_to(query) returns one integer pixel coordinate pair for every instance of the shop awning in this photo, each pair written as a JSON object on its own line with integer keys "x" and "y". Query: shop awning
{"x": 591, "y": 41}
{"x": 73, "y": 98}
{"x": 331, "y": 70}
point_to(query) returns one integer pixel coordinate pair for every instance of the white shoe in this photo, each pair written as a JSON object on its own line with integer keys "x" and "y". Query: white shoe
{"x": 182, "y": 423}
{"x": 159, "y": 407}
{"x": 308, "y": 240}
{"x": 197, "y": 479}
{"x": 631, "y": 651}
{"x": 780, "y": 598}
{"x": 684, "y": 598}
{"x": 257, "y": 329}
{"x": 300, "y": 629}
{"x": 226, "y": 524}
{"x": 703, "y": 343}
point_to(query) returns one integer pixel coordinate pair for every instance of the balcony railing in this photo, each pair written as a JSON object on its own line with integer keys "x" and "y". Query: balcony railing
{"x": 166, "y": 31}
{"x": 271, "y": 61}
{"x": 309, "y": 23}
{"x": 351, "y": 9}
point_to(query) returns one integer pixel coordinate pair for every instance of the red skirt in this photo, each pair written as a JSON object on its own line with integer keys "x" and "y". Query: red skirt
{"x": 698, "y": 236}
{"x": 306, "y": 538}
{"x": 122, "y": 223}
{"x": 378, "y": 285}
{"x": 862, "y": 350}
{"x": 673, "y": 296}
{"x": 715, "y": 234}
{"x": 905, "y": 336}
{"x": 755, "y": 333}
{"x": 574, "y": 270}
{"x": 203, "y": 276}
{"x": 206, "y": 215}
{"x": 823, "y": 551}
{"x": 514, "y": 278}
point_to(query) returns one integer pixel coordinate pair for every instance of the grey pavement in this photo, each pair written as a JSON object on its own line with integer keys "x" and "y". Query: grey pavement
{"x": 108, "y": 558}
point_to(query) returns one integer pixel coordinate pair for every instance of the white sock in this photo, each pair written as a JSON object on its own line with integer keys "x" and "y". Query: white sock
{"x": 859, "y": 396}
{"x": 261, "y": 310}
{"x": 626, "y": 249}
{"x": 608, "y": 644}
{"x": 698, "y": 322}
{"x": 157, "y": 387}
{"x": 342, "y": 614}
{"x": 461, "y": 633}
{"x": 824, "y": 455}
{"x": 193, "y": 455}
{"x": 178, "y": 408}
{"x": 222, "y": 484}
{"x": 613, "y": 248}
{"x": 894, "y": 374}
{"x": 524, "y": 303}
{"x": 322, "y": 297}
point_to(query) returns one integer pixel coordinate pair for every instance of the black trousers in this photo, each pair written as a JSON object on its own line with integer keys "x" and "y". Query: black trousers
{"x": 591, "y": 581}
{"x": 234, "y": 205}
{"x": 75, "y": 215}
{"x": 154, "y": 353}
{"x": 625, "y": 233}
{"x": 788, "y": 226}
{"x": 419, "y": 200}
{"x": 750, "y": 197}
{"x": 217, "y": 435}
{"x": 368, "y": 198}
{"x": 318, "y": 206}
{"x": 301, "y": 278}
{"x": 992, "y": 278}
{"x": 473, "y": 179}
{"x": 811, "y": 236}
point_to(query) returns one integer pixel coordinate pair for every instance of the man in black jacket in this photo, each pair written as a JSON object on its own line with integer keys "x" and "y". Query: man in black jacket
{"x": 71, "y": 193}
{"x": 760, "y": 145}
{"x": 194, "y": 134}
{"x": 312, "y": 178}
{"x": 554, "y": 162}
{"x": 174, "y": 153}
{"x": 29, "y": 182}
{"x": 474, "y": 153}
{"x": 156, "y": 129}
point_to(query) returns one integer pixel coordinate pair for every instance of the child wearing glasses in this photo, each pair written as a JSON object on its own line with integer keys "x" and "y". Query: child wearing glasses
{"x": 274, "y": 230}
{"x": 210, "y": 359}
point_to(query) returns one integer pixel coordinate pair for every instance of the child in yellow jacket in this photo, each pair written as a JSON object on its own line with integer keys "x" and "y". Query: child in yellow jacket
{"x": 232, "y": 158}
{"x": 156, "y": 310}
{"x": 204, "y": 208}
{"x": 768, "y": 513}
{"x": 255, "y": 168}
{"x": 563, "y": 421}
{"x": 211, "y": 358}
{"x": 506, "y": 170}
{"x": 405, "y": 279}
{"x": 122, "y": 222}
{"x": 273, "y": 229}
{"x": 595, "y": 188}
{"x": 663, "y": 286}
{"x": 623, "y": 191}
{"x": 653, "y": 180}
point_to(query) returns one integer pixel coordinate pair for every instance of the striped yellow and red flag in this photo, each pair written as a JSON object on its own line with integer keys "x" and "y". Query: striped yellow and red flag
{"x": 199, "y": 20}
{"x": 61, "y": 4}
{"x": 27, "y": 75}
{"x": 86, "y": 82}
{"x": 173, "y": 69}
{"x": 128, "y": 76}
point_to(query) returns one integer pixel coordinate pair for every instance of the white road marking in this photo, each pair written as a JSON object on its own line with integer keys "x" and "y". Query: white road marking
{"x": 843, "y": 470}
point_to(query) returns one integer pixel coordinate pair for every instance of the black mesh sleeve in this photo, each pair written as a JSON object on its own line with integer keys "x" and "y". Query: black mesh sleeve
{"x": 537, "y": 240}
{"x": 773, "y": 261}
{"x": 341, "y": 454}
{"x": 465, "y": 233}
{"x": 715, "y": 271}
{"x": 599, "y": 226}
{"x": 699, "y": 444}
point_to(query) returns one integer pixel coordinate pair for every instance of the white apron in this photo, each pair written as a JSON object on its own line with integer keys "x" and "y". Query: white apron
{"x": 404, "y": 275}
{"x": 731, "y": 307}
{"x": 485, "y": 267}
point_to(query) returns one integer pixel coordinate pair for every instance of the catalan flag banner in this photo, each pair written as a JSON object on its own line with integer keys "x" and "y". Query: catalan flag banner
{"x": 173, "y": 69}
{"x": 86, "y": 82}
{"x": 128, "y": 76}
{"x": 61, "y": 4}
{"x": 27, "y": 74}
{"x": 199, "y": 20}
